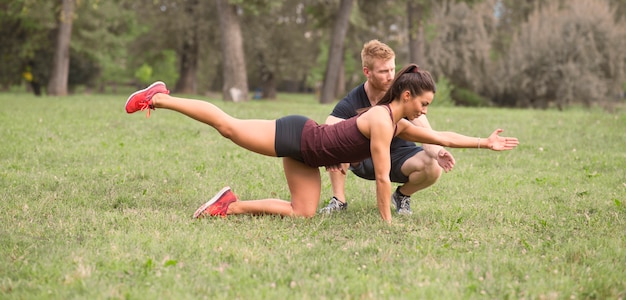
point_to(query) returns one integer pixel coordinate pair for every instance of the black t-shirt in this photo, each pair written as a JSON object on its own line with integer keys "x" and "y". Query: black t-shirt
{"x": 355, "y": 100}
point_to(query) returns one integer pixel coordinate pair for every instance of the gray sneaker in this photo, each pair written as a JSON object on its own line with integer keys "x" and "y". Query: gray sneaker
{"x": 402, "y": 202}
{"x": 334, "y": 205}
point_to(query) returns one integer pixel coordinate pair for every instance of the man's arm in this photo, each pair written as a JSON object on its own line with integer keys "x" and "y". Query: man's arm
{"x": 333, "y": 120}
{"x": 436, "y": 152}
{"x": 430, "y": 149}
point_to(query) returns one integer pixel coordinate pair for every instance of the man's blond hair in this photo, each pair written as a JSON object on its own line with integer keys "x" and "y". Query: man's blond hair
{"x": 374, "y": 50}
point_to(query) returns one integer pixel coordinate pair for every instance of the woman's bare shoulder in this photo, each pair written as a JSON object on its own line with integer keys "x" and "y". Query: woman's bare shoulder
{"x": 376, "y": 111}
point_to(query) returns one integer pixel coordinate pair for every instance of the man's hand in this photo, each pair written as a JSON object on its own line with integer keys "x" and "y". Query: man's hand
{"x": 337, "y": 168}
{"x": 445, "y": 160}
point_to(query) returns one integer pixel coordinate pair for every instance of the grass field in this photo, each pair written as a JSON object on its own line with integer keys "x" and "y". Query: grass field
{"x": 97, "y": 204}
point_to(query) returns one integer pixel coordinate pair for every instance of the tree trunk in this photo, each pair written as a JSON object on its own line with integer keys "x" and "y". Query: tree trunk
{"x": 341, "y": 80}
{"x": 187, "y": 82}
{"x": 415, "y": 14}
{"x": 269, "y": 86}
{"x": 268, "y": 83}
{"x": 57, "y": 86}
{"x": 235, "y": 86}
{"x": 335, "y": 53}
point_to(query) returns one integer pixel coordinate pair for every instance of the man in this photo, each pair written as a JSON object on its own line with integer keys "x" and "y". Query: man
{"x": 416, "y": 168}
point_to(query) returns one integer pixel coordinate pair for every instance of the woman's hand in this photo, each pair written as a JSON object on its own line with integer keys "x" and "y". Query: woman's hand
{"x": 498, "y": 143}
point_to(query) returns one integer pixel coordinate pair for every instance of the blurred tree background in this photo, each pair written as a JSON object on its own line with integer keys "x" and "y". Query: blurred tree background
{"x": 531, "y": 53}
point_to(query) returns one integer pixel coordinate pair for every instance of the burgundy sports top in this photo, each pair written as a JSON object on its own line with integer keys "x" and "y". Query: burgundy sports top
{"x": 325, "y": 145}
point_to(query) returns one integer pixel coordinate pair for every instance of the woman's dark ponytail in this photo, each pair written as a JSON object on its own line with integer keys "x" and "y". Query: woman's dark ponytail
{"x": 410, "y": 78}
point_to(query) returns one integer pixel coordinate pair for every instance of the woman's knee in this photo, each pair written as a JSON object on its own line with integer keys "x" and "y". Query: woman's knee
{"x": 309, "y": 214}
{"x": 226, "y": 130}
{"x": 303, "y": 212}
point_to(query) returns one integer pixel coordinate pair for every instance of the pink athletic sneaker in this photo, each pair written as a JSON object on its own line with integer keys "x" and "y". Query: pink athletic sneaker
{"x": 218, "y": 205}
{"x": 141, "y": 100}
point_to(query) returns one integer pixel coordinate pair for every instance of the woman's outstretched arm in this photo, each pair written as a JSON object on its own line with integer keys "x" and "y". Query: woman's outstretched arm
{"x": 410, "y": 132}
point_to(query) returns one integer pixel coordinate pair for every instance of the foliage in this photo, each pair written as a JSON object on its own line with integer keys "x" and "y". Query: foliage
{"x": 370, "y": 20}
{"x": 443, "y": 96}
{"x": 564, "y": 55}
{"x": 529, "y": 53}
{"x": 536, "y": 53}
{"x": 144, "y": 74}
{"x": 271, "y": 48}
{"x": 165, "y": 67}
{"x": 102, "y": 31}
{"x": 465, "y": 97}
{"x": 459, "y": 43}
{"x": 316, "y": 73}
{"x": 24, "y": 27}
{"x": 97, "y": 204}
{"x": 84, "y": 70}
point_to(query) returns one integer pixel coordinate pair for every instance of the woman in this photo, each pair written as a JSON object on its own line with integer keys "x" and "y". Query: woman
{"x": 305, "y": 146}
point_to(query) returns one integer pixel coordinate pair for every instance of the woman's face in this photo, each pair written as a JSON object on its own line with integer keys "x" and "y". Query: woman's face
{"x": 418, "y": 105}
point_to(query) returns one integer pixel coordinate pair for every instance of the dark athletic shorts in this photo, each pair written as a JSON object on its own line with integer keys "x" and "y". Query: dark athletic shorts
{"x": 288, "y": 136}
{"x": 365, "y": 169}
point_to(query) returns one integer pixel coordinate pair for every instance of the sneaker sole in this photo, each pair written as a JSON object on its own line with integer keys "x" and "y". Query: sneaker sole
{"x": 141, "y": 91}
{"x": 208, "y": 203}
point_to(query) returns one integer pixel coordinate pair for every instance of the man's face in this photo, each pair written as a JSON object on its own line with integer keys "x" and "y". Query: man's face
{"x": 381, "y": 75}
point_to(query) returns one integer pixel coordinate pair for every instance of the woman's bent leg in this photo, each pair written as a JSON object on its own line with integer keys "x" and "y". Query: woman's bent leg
{"x": 305, "y": 187}
{"x": 254, "y": 135}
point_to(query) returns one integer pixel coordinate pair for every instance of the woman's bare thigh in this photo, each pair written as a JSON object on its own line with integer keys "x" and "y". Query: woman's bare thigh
{"x": 305, "y": 186}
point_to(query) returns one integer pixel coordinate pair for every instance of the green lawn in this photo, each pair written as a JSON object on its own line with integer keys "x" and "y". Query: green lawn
{"x": 97, "y": 204}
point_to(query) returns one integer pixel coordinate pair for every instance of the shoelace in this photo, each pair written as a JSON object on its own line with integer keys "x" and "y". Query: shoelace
{"x": 337, "y": 204}
{"x": 147, "y": 105}
{"x": 404, "y": 203}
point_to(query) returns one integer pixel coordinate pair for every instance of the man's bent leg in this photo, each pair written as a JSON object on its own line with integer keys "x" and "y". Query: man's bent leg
{"x": 338, "y": 200}
{"x": 416, "y": 170}
{"x": 422, "y": 171}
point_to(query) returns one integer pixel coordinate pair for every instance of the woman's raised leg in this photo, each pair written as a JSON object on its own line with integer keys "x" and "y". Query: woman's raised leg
{"x": 254, "y": 135}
